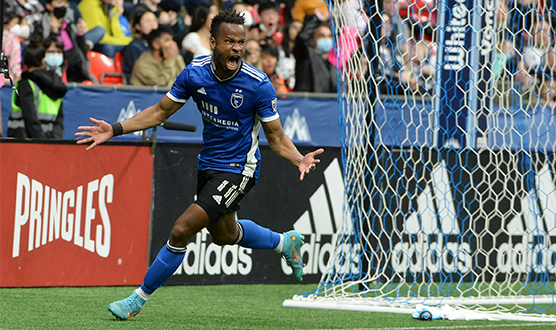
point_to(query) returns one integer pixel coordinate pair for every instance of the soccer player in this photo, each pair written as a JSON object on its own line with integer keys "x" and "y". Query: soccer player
{"x": 235, "y": 100}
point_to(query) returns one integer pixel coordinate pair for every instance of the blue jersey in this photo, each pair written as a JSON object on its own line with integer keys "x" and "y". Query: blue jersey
{"x": 232, "y": 112}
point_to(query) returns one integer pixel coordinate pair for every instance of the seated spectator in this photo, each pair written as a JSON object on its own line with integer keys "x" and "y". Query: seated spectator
{"x": 269, "y": 59}
{"x": 54, "y": 57}
{"x": 252, "y": 54}
{"x": 12, "y": 48}
{"x": 142, "y": 23}
{"x": 124, "y": 22}
{"x": 57, "y": 22}
{"x": 161, "y": 66}
{"x": 198, "y": 38}
{"x": 242, "y": 8}
{"x": 307, "y": 7}
{"x": 30, "y": 12}
{"x": 102, "y": 13}
{"x": 313, "y": 71}
{"x": 37, "y": 108}
{"x": 269, "y": 14}
{"x": 179, "y": 27}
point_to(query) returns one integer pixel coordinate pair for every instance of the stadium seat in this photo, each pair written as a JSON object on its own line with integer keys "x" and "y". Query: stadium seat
{"x": 118, "y": 58}
{"x": 104, "y": 70}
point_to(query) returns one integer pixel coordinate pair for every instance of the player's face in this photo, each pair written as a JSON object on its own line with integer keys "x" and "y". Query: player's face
{"x": 228, "y": 48}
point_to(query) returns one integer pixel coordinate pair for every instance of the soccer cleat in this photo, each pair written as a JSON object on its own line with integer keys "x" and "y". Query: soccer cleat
{"x": 128, "y": 307}
{"x": 291, "y": 252}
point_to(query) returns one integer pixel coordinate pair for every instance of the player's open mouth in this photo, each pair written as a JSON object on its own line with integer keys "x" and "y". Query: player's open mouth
{"x": 233, "y": 62}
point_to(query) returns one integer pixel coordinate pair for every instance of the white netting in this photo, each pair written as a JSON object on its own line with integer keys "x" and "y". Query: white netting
{"x": 448, "y": 132}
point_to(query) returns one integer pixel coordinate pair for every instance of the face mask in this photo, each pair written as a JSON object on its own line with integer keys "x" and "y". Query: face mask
{"x": 60, "y": 12}
{"x": 54, "y": 60}
{"x": 324, "y": 45}
{"x": 21, "y": 31}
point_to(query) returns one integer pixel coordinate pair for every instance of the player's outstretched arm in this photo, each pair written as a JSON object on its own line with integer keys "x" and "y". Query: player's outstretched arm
{"x": 150, "y": 117}
{"x": 284, "y": 147}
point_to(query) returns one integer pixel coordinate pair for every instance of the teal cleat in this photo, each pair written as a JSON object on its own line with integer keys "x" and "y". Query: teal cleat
{"x": 127, "y": 308}
{"x": 291, "y": 252}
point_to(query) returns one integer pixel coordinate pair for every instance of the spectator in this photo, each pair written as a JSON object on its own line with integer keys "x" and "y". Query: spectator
{"x": 269, "y": 59}
{"x": 54, "y": 57}
{"x": 313, "y": 71}
{"x": 30, "y": 12}
{"x": 253, "y": 53}
{"x": 242, "y": 8}
{"x": 286, "y": 60}
{"x": 11, "y": 47}
{"x": 198, "y": 38}
{"x": 37, "y": 108}
{"x": 124, "y": 23}
{"x": 179, "y": 27}
{"x": 161, "y": 66}
{"x": 538, "y": 56}
{"x": 307, "y": 7}
{"x": 269, "y": 14}
{"x": 57, "y": 22}
{"x": 102, "y": 13}
{"x": 143, "y": 22}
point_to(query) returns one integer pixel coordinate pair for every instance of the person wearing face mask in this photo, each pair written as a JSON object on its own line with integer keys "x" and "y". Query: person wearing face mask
{"x": 57, "y": 23}
{"x": 30, "y": 12}
{"x": 37, "y": 108}
{"x": 313, "y": 71}
{"x": 54, "y": 57}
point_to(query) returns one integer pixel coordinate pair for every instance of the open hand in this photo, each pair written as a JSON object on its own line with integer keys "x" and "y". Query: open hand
{"x": 309, "y": 163}
{"x": 97, "y": 134}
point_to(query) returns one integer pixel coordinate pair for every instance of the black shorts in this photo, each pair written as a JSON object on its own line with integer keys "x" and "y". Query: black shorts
{"x": 219, "y": 192}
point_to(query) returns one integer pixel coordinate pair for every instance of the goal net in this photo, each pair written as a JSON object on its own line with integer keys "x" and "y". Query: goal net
{"x": 448, "y": 132}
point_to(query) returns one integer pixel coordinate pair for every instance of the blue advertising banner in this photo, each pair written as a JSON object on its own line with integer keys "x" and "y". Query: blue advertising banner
{"x": 465, "y": 54}
{"x": 306, "y": 120}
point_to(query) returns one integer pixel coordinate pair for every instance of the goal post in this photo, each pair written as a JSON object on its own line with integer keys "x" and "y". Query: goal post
{"x": 448, "y": 127}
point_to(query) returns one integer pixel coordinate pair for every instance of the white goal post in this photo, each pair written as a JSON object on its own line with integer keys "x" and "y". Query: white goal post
{"x": 447, "y": 111}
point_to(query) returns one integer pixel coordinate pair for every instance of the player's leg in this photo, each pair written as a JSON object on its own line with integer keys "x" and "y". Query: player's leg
{"x": 170, "y": 257}
{"x": 246, "y": 233}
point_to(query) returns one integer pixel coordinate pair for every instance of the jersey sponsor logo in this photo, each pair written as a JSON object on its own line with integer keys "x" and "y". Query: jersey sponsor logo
{"x": 237, "y": 99}
{"x": 202, "y": 91}
{"x": 320, "y": 225}
{"x": 48, "y": 214}
{"x": 274, "y": 104}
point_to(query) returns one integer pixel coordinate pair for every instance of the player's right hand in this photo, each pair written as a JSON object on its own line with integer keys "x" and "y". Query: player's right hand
{"x": 97, "y": 134}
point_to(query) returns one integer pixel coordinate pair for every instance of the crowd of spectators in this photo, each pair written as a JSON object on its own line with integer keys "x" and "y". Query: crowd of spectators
{"x": 290, "y": 40}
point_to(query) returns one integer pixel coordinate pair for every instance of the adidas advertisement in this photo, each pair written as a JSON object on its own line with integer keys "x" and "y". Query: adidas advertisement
{"x": 502, "y": 202}
{"x": 72, "y": 217}
{"x": 278, "y": 201}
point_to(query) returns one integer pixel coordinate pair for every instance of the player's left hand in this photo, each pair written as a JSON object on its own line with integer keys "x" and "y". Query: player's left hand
{"x": 101, "y": 132}
{"x": 309, "y": 163}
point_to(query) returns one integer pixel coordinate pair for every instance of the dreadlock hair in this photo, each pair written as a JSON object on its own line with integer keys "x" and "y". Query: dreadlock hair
{"x": 227, "y": 16}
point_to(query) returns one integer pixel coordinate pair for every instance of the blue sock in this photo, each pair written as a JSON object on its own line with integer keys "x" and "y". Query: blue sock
{"x": 257, "y": 237}
{"x": 164, "y": 266}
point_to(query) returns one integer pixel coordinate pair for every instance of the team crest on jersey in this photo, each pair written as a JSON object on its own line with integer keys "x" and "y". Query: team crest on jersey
{"x": 237, "y": 100}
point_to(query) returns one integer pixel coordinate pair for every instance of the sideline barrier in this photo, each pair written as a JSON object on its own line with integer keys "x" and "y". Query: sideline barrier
{"x": 308, "y": 119}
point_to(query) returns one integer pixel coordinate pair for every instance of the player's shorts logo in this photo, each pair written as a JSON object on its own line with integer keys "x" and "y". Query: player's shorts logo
{"x": 237, "y": 100}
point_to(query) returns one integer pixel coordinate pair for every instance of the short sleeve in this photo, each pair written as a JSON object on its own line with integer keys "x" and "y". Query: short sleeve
{"x": 266, "y": 102}
{"x": 179, "y": 91}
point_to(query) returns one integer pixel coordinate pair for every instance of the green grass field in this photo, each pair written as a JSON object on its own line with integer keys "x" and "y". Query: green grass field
{"x": 242, "y": 307}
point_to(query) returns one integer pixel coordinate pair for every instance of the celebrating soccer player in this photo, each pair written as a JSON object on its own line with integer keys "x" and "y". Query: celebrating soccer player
{"x": 235, "y": 100}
